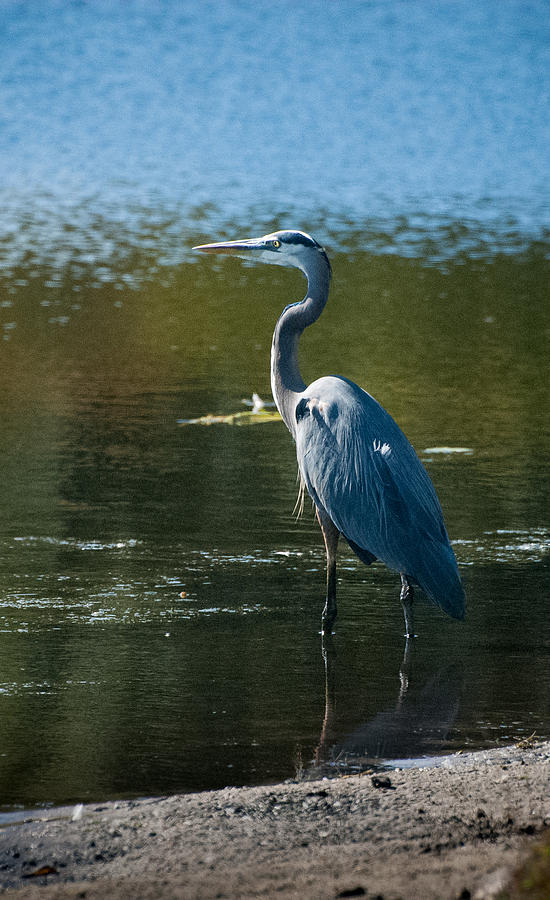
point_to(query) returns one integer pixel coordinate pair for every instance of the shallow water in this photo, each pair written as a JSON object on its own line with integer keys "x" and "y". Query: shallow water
{"x": 159, "y": 603}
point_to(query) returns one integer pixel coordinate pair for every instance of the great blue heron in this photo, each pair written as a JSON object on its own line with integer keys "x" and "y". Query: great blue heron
{"x": 360, "y": 470}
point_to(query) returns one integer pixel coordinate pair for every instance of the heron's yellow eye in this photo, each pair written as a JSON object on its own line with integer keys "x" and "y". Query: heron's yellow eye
{"x": 276, "y": 244}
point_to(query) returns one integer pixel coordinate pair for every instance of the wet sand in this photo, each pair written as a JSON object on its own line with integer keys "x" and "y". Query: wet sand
{"x": 452, "y": 830}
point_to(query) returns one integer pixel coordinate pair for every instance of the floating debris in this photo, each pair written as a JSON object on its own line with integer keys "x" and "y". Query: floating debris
{"x": 528, "y": 743}
{"x": 256, "y": 416}
{"x": 257, "y": 403}
{"x": 448, "y": 450}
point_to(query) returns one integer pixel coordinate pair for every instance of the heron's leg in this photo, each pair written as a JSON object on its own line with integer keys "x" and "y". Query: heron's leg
{"x": 330, "y": 536}
{"x": 407, "y": 601}
{"x": 404, "y": 673}
{"x": 326, "y": 739}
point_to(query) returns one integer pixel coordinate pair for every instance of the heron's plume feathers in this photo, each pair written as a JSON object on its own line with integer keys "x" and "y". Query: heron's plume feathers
{"x": 298, "y": 510}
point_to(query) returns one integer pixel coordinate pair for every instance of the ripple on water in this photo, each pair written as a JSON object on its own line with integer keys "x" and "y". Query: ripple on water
{"x": 433, "y": 175}
{"x": 76, "y": 544}
{"x": 504, "y": 546}
{"x": 47, "y": 590}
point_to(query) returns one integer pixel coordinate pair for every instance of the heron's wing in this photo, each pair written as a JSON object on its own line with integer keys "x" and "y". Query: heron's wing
{"x": 360, "y": 468}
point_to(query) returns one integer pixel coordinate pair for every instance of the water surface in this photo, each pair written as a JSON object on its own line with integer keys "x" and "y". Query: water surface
{"x": 159, "y": 603}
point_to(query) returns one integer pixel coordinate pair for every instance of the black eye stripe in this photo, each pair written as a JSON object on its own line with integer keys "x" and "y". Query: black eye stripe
{"x": 299, "y": 239}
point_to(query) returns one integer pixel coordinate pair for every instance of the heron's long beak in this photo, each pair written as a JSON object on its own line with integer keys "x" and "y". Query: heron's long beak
{"x": 235, "y": 248}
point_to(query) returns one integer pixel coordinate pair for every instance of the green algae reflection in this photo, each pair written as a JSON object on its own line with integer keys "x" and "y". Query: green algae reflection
{"x": 259, "y": 414}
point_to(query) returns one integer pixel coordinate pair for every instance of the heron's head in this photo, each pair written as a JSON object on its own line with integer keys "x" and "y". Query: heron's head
{"x": 281, "y": 248}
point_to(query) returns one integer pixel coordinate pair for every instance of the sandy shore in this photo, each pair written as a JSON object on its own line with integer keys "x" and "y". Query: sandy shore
{"x": 455, "y": 830}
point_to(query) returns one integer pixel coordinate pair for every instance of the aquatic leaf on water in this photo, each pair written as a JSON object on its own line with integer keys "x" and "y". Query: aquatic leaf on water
{"x": 257, "y": 415}
{"x": 239, "y": 418}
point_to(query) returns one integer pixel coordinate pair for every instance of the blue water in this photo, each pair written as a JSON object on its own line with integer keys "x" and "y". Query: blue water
{"x": 123, "y": 122}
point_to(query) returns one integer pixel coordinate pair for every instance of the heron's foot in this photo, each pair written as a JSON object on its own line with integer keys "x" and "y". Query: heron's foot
{"x": 407, "y": 601}
{"x": 328, "y": 649}
{"x": 327, "y": 627}
{"x": 329, "y": 616}
{"x": 404, "y": 672}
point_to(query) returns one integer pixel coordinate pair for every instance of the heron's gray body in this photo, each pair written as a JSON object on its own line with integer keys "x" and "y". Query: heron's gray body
{"x": 365, "y": 479}
{"x": 374, "y": 488}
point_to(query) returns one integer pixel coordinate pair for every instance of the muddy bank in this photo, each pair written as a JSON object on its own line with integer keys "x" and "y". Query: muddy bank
{"x": 453, "y": 830}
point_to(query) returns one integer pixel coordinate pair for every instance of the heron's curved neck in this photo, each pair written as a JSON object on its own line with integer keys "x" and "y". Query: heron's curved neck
{"x": 286, "y": 381}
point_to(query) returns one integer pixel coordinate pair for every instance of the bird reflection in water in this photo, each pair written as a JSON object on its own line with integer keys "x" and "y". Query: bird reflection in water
{"x": 416, "y": 726}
